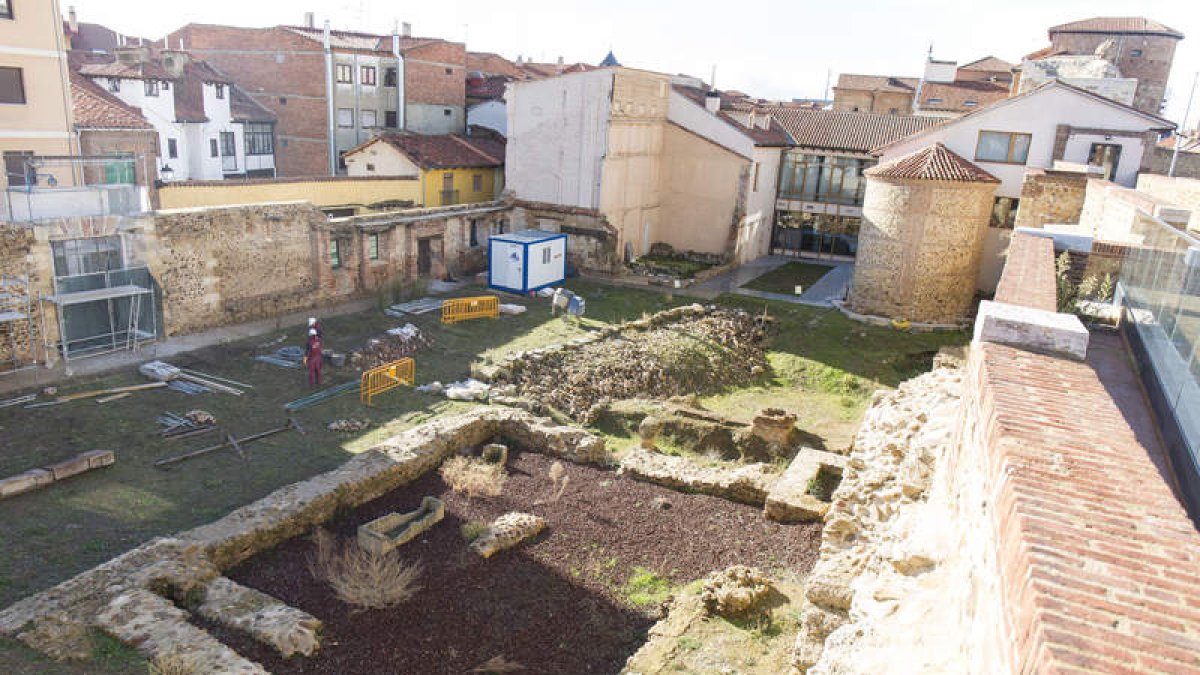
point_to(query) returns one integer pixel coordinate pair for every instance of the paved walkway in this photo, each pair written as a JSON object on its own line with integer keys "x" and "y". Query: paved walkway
{"x": 40, "y": 377}
{"x": 828, "y": 288}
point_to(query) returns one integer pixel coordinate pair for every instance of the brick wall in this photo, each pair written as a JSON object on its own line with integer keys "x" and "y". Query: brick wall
{"x": 591, "y": 240}
{"x": 849, "y": 100}
{"x": 143, "y": 144}
{"x": 426, "y": 79}
{"x": 1152, "y": 68}
{"x": 1050, "y": 197}
{"x": 1098, "y": 561}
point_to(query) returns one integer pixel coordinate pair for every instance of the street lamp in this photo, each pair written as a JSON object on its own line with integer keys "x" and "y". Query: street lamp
{"x": 166, "y": 173}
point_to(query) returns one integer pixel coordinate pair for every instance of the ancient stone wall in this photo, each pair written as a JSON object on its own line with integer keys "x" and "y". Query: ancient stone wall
{"x": 16, "y": 244}
{"x": 1187, "y": 165}
{"x": 591, "y": 240}
{"x": 1050, "y": 197}
{"x": 920, "y": 246}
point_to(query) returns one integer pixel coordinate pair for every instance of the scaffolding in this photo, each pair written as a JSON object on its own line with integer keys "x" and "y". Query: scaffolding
{"x": 102, "y": 312}
{"x": 17, "y": 319}
{"x": 42, "y": 187}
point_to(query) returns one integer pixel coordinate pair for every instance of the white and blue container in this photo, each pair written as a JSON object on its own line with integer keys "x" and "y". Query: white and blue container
{"x": 525, "y": 261}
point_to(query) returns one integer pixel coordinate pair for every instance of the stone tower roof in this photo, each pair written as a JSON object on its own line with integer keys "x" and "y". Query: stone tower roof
{"x": 934, "y": 162}
{"x": 1137, "y": 25}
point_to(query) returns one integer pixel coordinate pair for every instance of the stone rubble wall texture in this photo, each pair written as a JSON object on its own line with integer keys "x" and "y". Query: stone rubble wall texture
{"x": 1050, "y": 197}
{"x": 187, "y": 564}
{"x": 16, "y": 245}
{"x": 289, "y": 630}
{"x": 507, "y": 531}
{"x": 920, "y": 248}
{"x": 591, "y": 240}
{"x": 788, "y": 500}
{"x": 748, "y": 484}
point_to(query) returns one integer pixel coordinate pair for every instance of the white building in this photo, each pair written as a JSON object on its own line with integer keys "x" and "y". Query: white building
{"x": 1056, "y": 122}
{"x": 208, "y": 129}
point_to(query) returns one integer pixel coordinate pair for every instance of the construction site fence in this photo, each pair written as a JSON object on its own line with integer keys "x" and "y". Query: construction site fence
{"x": 385, "y": 378}
{"x": 464, "y": 309}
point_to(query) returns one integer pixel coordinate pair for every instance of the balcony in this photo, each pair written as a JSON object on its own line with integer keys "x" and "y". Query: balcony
{"x": 449, "y": 197}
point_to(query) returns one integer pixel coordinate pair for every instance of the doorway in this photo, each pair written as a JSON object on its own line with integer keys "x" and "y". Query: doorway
{"x": 1106, "y": 156}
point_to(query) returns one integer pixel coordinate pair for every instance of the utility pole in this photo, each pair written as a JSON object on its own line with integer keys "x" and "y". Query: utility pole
{"x": 1180, "y": 133}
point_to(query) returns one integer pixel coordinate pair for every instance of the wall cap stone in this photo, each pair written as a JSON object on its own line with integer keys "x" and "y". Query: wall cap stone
{"x": 1033, "y": 329}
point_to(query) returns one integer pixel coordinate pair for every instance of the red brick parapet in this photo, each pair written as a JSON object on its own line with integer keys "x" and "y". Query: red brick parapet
{"x": 1028, "y": 278}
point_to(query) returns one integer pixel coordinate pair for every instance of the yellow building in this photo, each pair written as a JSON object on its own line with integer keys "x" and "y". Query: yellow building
{"x": 35, "y": 99}
{"x": 452, "y": 169}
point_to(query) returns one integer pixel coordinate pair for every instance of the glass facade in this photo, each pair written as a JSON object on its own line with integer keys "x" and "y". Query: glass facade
{"x": 827, "y": 183}
{"x": 827, "y": 179}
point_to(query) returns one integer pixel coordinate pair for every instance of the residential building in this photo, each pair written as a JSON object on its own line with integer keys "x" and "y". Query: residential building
{"x": 485, "y": 102}
{"x": 207, "y": 129}
{"x": 107, "y": 126}
{"x": 643, "y": 157}
{"x": 820, "y": 193}
{"x": 377, "y": 83}
{"x": 881, "y": 94}
{"x": 36, "y": 110}
{"x": 1093, "y": 72}
{"x": 1139, "y": 48}
{"x": 945, "y": 89}
{"x": 1055, "y": 123}
{"x": 453, "y": 169}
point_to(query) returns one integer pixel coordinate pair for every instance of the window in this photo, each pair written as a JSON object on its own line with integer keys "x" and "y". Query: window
{"x": 823, "y": 178}
{"x": 152, "y": 87}
{"x": 15, "y": 169}
{"x": 172, "y": 148}
{"x": 390, "y": 119}
{"x": 114, "y": 85}
{"x": 335, "y": 254}
{"x": 970, "y": 104}
{"x": 1002, "y": 146}
{"x": 89, "y": 255}
{"x": 370, "y": 167}
{"x": 446, "y": 112}
{"x": 12, "y": 85}
{"x": 259, "y": 138}
{"x": 366, "y": 75}
{"x": 6, "y": 9}
{"x": 477, "y": 182}
{"x": 893, "y": 111}
{"x": 166, "y": 85}
{"x": 342, "y": 160}
{"x": 546, "y": 255}
{"x": 345, "y": 74}
{"x": 282, "y": 100}
{"x": 368, "y": 118}
{"x": 390, "y": 77}
{"x": 213, "y": 150}
{"x": 933, "y": 101}
{"x": 449, "y": 71}
{"x": 1107, "y": 156}
{"x": 1004, "y": 212}
{"x": 473, "y": 239}
{"x": 1135, "y": 52}
{"x": 373, "y": 247}
{"x": 228, "y": 144}
{"x": 754, "y": 185}
{"x": 345, "y": 118}
{"x": 220, "y": 90}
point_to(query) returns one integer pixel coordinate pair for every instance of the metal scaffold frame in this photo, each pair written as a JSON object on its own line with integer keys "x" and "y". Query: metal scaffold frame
{"x": 128, "y": 338}
{"x": 17, "y": 302}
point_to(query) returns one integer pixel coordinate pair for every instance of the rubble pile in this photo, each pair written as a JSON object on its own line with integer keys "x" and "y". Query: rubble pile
{"x": 396, "y": 344}
{"x": 706, "y": 351}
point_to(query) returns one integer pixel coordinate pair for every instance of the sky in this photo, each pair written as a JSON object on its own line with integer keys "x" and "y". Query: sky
{"x": 769, "y": 49}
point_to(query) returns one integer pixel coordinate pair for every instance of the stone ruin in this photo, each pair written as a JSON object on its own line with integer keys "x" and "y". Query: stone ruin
{"x": 508, "y": 531}
{"x": 389, "y": 532}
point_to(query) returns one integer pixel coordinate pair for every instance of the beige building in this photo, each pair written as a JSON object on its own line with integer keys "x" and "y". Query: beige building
{"x": 35, "y": 100}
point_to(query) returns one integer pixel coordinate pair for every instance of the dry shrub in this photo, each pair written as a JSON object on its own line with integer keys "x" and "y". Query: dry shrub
{"x": 473, "y": 477}
{"x": 173, "y": 664}
{"x": 498, "y": 664}
{"x": 558, "y": 476}
{"x": 362, "y": 578}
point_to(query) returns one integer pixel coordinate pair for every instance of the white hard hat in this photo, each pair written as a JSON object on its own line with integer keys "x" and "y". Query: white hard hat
{"x": 312, "y": 331}
{"x": 311, "y": 320}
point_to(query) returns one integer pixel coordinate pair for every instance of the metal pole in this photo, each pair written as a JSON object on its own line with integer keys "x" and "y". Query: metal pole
{"x": 331, "y": 106}
{"x": 1180, "y": 136}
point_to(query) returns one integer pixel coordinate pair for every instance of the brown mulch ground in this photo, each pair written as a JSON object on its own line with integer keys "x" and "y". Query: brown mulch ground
{"x": 554, "y": 605}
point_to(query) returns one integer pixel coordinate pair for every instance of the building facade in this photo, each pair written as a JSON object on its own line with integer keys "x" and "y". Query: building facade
{"x": 452, "y": 169}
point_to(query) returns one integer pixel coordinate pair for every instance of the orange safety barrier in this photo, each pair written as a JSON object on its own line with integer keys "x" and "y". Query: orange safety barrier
{"x": 385, "y": 378}
{"x": 463, "y": 309}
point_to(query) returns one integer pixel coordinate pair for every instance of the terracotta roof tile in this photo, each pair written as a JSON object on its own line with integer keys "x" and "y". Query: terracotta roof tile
{"x": 736, "y": 111}
{"x": 447, "y": 151}
{"x": 847, "y": 131}
{"x": 488, "y": 64}
{"x": 112, "y": 68}
{"x": 490, "y": 88}
{"x": 958, "y": 96}
{"x": 95, "y": 108}
{"x": 358, "y": 41}
{"x": 988, "y": 63}
{"x": 934, "y": 162}
{"x": 885, "y": 83}
{"x": 1117, "y": 24}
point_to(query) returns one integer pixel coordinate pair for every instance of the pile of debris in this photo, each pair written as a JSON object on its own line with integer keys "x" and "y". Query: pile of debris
{"x": 396, "y": 344}
{"x": 702, "y": 352}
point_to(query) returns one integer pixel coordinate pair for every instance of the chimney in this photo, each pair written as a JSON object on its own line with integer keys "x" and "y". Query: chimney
{"x": 310, "y": 20}
{"x": 72, "y": 19}
{"x": 712, "y": 101}
{"x": 520, "y": 59}
{"x": 131, "y": 55}
{"x": 174, "y": 60}
{"x": 406, "y": 29}
{"x": 940, "y": 71}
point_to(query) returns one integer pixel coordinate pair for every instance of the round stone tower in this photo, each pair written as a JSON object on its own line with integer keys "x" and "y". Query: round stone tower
{"x": 919, "y": 248}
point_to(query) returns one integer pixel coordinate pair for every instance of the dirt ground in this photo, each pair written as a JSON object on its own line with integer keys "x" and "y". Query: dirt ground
{"x": 562, "y": 604}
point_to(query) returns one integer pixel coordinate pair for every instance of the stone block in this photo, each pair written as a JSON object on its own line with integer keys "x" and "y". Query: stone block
{"x": 496, "y": 453}
{"x": 69, "y": 467}
{"x": 748, "y": 484}
{"x": 25, "y": 482}
{"x": 1033, "y": 329}
{"x": 506, "y": 532}
{"x": 286, "y": 629}
{"x": 789, "y": 501}
{"x": 100, "y": 458}
{"x": 396, "y": 529}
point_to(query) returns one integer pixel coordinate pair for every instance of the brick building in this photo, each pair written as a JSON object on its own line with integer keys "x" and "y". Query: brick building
{"x": 1143, "y": 49}
{"x": 378, "y": 82}
{"x": 108, "y": 126}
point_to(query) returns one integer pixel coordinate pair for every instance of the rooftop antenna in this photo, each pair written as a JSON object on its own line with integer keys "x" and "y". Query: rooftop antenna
{"x": 713, "y": 80}
{"x": 930, "y": 54}
{"x": 828, "y": 74}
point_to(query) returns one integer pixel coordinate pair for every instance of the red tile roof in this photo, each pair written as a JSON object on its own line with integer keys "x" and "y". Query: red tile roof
{"x": 1191, "y": 145}
{"x": 934, "y": 162}
{"x": 488, "y": 63}
{"x": 737, "y": 113}
{"x": 246, "y": 109}
{"x": 357, "y": 41}
{"x": 111, "y": 68}
{"x": 885, "y": 83}
{"x": 988, "y": 63}
{"x": 490, "y": 88}
{"x": 957, "y": 96}
{"x": 95, "y": 108}
{"x": 847, "y": 131}
{"x": 1117, "y": 24}
{"x": 448, "y": 151}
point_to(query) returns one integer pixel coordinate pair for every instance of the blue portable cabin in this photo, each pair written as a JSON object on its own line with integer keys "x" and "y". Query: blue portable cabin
{"x": 525, "y": 261}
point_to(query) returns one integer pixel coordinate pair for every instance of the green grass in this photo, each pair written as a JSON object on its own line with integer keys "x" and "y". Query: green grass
{"x": 646, "y": 588}
{"x": 784, "y": 279}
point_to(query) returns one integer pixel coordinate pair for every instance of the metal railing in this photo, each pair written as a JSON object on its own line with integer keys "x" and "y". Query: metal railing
{"x": 464, "y": 309}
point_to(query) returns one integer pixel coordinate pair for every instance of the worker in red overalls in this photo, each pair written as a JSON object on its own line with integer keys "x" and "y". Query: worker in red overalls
{"x": 313, "y": 356}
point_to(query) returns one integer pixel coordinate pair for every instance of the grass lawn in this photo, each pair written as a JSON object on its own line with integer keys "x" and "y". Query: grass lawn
{"x": 822, "y": 366}
{"x": 786, "y": 278}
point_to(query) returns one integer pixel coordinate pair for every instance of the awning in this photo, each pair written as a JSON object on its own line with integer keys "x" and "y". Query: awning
{"x": 80, "y": 297}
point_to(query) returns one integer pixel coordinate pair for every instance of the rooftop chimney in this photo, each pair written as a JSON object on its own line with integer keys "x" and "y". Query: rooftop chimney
{"x": 406, "y": 29}
{"x": 310, "y": 20}
{"x": 712, "y": 101}
{"x": 72, "y": 19}
{"x": 559, "y": 67}
{"x": 132, "y": 54}
{"x": 940, "y": 71}
{"x": 174, "y": 60}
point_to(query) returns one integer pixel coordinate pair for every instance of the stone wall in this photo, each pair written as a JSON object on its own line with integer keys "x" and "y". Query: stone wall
{"x": 1111, "y": 212}
{"x": 1186, "y": 166}
{"x": 920, "y": 246}
{"x": 1050, "y": 197}
{"x": 1181, "y": 191}
{"x": 16, "y": 245}
{"x": 591, "y": 240}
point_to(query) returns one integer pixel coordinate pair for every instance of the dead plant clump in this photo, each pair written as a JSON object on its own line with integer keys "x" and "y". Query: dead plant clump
{"x": 173, "y": 664}
{"x": 361, "y": 578}
{"x": 559, "y": 479}
{"x": 497, "y": 665}
{"x": 722, "y": 349}
{"x": 473, "y": 477}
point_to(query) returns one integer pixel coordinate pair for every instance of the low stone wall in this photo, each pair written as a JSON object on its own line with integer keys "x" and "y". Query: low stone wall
{"x": 1181, "y": 191}
{"x": 1050, "y": 197}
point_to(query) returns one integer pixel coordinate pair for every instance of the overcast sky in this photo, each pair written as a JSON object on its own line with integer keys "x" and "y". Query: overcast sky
{"x": 771, "y": 49}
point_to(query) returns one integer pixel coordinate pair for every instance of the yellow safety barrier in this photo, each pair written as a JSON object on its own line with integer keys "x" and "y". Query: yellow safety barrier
{"x": 463, "y": 309}
{"x": 385, "y": 378}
